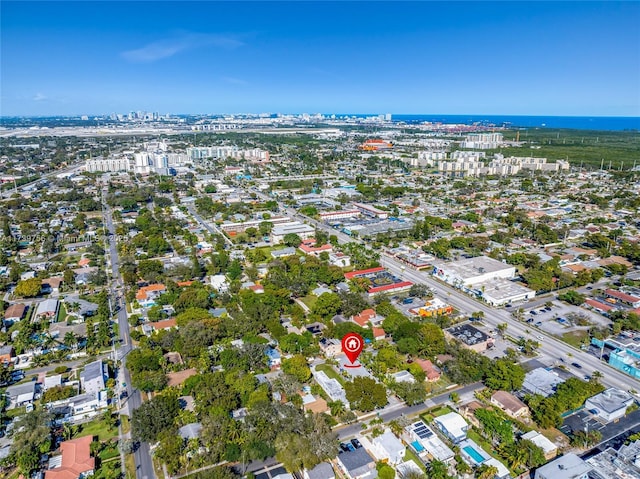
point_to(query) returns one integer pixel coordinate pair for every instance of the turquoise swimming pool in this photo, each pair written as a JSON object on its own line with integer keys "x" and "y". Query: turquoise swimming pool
{"x": 473, "y": 454}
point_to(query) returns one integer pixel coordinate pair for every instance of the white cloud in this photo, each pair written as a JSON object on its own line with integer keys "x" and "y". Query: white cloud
{"x": 39, "y": 97}
{"x": 235, "y": 81}
{"x": 168, "y": 47}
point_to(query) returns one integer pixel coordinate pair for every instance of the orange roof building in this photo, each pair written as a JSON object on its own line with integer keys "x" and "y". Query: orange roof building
{"x": 152, "y": 291}
{"x": 75, "y": 461}
{"x": 429, "y": 369}
{"x": 364, "y": 317}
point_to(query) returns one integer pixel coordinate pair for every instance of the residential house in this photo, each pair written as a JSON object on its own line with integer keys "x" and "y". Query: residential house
{"x": 47, "y": 309}
{"x": 163, "y": 325}
{"x": 52, "y": 382}
{"x": 550, "y": 449}
{"x": 330, "y": 347}
{"x": 94, "y": 376}
{"x": 453, "y": 426}
{"x": 509, "y": 404}
{"x": 14, "y": 313}
{"x": 431, "y": 371}
{"x": 274, "y": 357}
{"x": 190, "y": 431}
{"x": 52, "y": 285}
{"x": 321, "y": 471}
{"x": 284, "y": 252}
{"x": 357, "y": 464}
{"x": 75, "y": 461}
{"x": 339, "y": 259}
{"x": 20, "y": 394}
{"x": 364, "y": 317}
{"x": 220, "y": 283}
{"x": 147, "y": 295}
{"x": 6, "y": 354}
{"x": 388, "y": 448}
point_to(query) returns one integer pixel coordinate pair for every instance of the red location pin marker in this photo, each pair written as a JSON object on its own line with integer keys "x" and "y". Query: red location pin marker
{"x": 352, "y": 344}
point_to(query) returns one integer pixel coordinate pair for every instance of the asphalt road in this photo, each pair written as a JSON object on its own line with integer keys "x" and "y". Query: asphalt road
{"x": 142, "y": 455}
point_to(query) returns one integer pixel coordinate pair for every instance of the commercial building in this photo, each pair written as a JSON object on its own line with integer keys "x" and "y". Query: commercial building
{"x": 484, "y": 277}
{"x": 470, "y": 337}
{"x": 295, "y": 227}
{"x": 568, "y": 466}
{"x": 624, "y": 298}
{"x": 623, "y": 463}
{"x": 371, "y": 211}
{"x": 610, "y": 405}
{"x": 453, "y": 426}
{"x": 331, "y": 216}
{"x": 541, "y": 381}
{"x": 624, "y": 356}
{"x": 468, "y": 272}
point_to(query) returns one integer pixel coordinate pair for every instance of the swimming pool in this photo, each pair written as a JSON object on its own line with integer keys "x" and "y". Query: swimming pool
{"x": 473, "y": 454}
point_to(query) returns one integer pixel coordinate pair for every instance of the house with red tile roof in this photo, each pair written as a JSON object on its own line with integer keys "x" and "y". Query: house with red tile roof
{"x": 364, "y": 317}
{"x": 75, "y": 461}
{"x": 433, "y": 374}
{"x": 378, "y": 334}
{"x": 147, "y": 295}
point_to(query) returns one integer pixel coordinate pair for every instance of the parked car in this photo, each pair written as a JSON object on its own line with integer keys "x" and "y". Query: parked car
{"x": 356, "y": 443}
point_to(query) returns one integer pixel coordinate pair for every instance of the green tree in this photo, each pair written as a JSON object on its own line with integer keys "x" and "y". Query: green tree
{"x": 365, "y": 394}
{"x": 327, "y": 305}
{"x": 297, "y": 367}
{"x": 505, "y": 375}
{"x": 154, "y": 416}
{"x": 292, "y": 239}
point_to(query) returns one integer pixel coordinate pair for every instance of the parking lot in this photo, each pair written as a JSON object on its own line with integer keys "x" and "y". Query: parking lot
{"x": 583, "y": 420}
{"x": 561, "y": 318}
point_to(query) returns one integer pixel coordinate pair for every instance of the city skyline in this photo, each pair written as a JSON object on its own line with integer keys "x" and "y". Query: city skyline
{"x": 411, "y": 58}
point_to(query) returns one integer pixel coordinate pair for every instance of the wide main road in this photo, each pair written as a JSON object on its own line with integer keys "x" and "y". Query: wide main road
{"x": 550, "y": 346}
{"x": 142, "y": 455}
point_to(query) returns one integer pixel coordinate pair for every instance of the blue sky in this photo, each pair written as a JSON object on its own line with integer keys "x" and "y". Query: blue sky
{"x": 543, "y": 58}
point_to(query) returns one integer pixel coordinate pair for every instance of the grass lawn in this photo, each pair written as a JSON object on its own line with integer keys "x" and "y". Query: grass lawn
{"x": 329, "y": 371}
{"x": 62, "y": 313}
{"x": 575, "y": 338}
{"x": 438, "y": 386}
{"x": 441, "y": 411}
{"x": 309, "y": 300}
{"x": 99, "y": 428}
{"x": 409, "y": 455}
{"x": 16, "y": 411}
{"x": 125, "y": 423}
{"x": 130, "y": 466}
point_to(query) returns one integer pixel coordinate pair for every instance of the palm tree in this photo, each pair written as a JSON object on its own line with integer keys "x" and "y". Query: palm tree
{"x": 395, "y": 427}
{"x": 71, "y": 340}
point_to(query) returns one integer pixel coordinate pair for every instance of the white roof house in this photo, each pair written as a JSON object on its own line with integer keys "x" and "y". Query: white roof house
{"x": 387, "y": 447}
{"x": 52, "y": 382}
{"x": 549, "y": 448}
{"x": 453, "y": 426}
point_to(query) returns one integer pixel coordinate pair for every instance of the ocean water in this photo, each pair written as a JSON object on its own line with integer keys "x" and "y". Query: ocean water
{"x": 610, "y": 123}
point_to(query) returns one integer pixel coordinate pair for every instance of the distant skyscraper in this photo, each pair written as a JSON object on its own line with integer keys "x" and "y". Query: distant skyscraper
{"x": 387, "y": 117}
